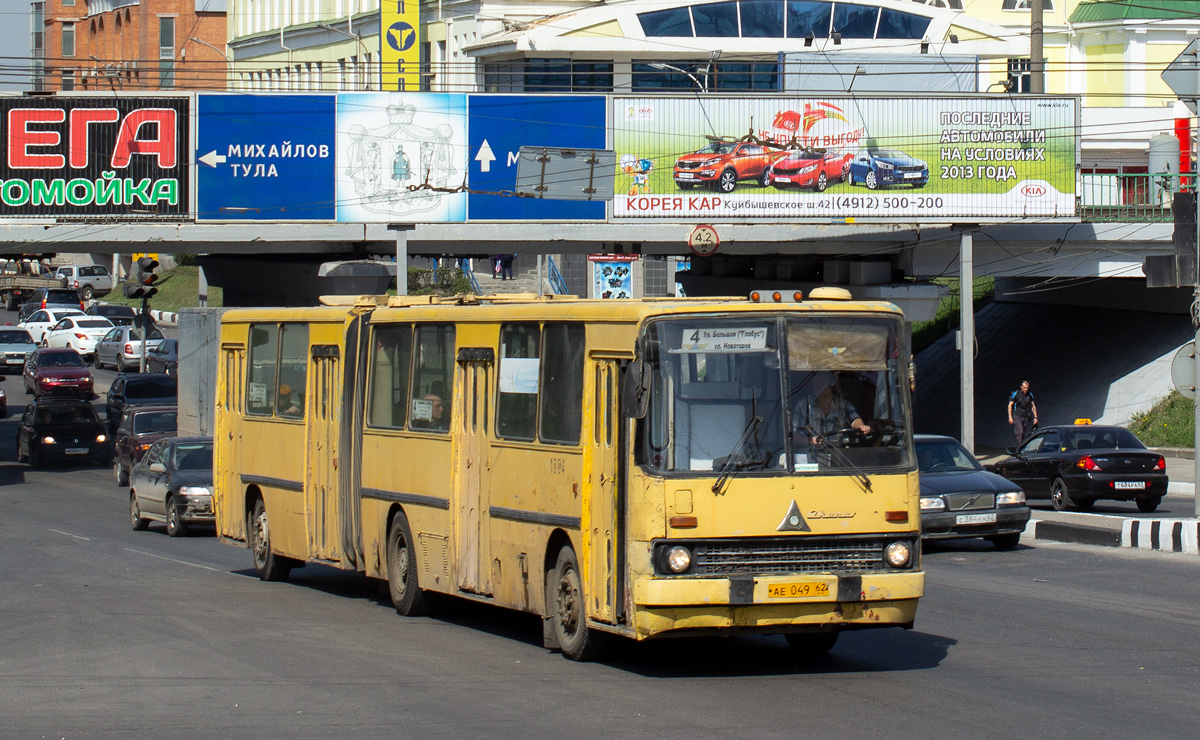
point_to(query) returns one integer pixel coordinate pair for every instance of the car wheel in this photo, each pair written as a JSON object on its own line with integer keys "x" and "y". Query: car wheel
{"x": 1006, "y": 541}
{"x": 568, "y": 612}
{"x": 727, "y": 181}
{"x": 1149, "y": 504}
{"x": 822, "y": 182}
{"x": 121, "y": 366}
{"x": 1060, "y": 495}
{"x": 764, "y": 180}
{"x": 872, "y": 181}
{"x": 846, "y": 172}
{"x": 811, "y": 644}
{"x": 121, "y": 473}
{"x": 270, "y": 567}
{"x": 136, "y": 520}
{"x": 407, "y": 595}
{"x": 85, "y": 293}
{"x": 175, "y": 525}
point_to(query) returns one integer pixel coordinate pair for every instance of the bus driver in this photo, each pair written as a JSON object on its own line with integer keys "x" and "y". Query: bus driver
{"x": 824, "y": 410}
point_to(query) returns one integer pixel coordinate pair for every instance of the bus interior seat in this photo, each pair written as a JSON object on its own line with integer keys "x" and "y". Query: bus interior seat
{"x": 711, "y": 430}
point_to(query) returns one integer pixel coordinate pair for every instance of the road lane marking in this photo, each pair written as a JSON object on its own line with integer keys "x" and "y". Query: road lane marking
{"x": 173, "y": 560}
{"x": 78, "y": 537}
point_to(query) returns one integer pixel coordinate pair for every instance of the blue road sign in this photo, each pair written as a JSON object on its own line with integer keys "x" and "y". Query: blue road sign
{"x": 265, "y": 157}
{"x": 499, "y": 125}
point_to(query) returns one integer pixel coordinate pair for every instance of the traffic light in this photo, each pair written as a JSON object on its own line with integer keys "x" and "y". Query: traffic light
{"x": 144, "y": 277}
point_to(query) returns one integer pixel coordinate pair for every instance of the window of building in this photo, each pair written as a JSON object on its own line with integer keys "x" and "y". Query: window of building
{"x": 646, "y": 77}
{"x": 744, "y": 76}
{"x": 68, "y": 3}
{"x": 561, "y": 413}
{"x": 68, "y": 39}
{"x": 674, "y": 22}
{"x": 547, "y": 75}
{"x": 1047, "y": 5}
{"x": 716, "y": 20}
{"x": 805, "y": 17}
{"x": 855, "y": 21}
{"x": 896, "y": 25}
{"x": 389, "y": 377}
{"x": 951, "y": 4}
{"x": 166, "y": 53}
{"x": 762, "y": 18}
{"x": 1018, "y": 72}
{"x": 712, "y": 76}
{"x": 68, "y": 80}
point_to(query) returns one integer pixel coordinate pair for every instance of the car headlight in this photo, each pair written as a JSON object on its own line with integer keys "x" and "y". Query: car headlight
{"x": 808, "y": 169}
{"x": 101, "y": 438}
{"x": 48, "y": 441}
{"x": 86, "y": 379}
{"x": 932, "y": 503}
{"x": 1003, "y": 499}
{"x": 897, "y": 554}
{"x": 712, "y": 162}
{"x": 193, "y": 491}
{"x": 885, "y": 166}
{"x": 679, "y": 559}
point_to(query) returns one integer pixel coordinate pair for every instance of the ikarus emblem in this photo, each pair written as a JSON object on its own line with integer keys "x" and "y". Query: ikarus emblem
{"x": 793, "y": 520}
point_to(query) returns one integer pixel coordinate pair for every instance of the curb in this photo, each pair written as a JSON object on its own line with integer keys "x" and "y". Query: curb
{"x": 1162, "y": 535}
{"x": 165, "y": 317}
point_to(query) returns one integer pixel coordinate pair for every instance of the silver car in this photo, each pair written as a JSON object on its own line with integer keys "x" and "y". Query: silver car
{"x": 15, "y": 348}
{"x": 121, "y": 348}
{"x": 172, "y": 483}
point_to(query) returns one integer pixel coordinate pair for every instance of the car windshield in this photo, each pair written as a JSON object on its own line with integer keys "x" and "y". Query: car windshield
{"x": 1105, "y": 438}
{"x": 710, "y": 379}
{"x": 60, "y": 359}
{"x": 94, "y": 324}
{"x": 154, "y": 422}
{"x": 887, "y": 153}
{"x": 82, "y": 414}
{"x": 62, "y": 296}
{"x": 15, "y": 337}
{"x": 717, "y": 147}
{"x": 155, "y": 333}
{"x": 150, "y": 388}
{"x": 121, "y": 311}
{"x": 942, "y": 456}
{"x": 194, "y": 456}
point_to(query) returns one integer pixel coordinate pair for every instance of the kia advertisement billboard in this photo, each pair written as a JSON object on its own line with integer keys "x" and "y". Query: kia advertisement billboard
{"x": 845, "y": 157}
{"x": 85, "y": 157}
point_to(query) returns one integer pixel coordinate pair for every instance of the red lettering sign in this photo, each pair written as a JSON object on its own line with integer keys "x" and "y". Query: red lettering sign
{"x": 20, "y": 138}
{"x": 129, "y": 144}
{"x": 80, "y": 118}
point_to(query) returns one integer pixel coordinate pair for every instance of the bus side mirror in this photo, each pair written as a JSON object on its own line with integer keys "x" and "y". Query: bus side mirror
{"x": 635, "y": 395}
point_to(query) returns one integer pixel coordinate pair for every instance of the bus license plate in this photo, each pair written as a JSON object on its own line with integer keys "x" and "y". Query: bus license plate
{"x": 1130, "y": 485}
{"x": 797, "y": 590}
{"x": 76, "y": 450}
{"x": 975, "y": 518}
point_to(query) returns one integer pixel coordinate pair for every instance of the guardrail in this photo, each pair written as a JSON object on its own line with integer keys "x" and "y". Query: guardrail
{"x": 557, "y": 284}
{"x": 465, "y": 266}
{"x": 1133, "y": 198}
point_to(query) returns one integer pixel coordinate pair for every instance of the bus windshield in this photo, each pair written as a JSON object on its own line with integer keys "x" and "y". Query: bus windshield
{"x": 776, "y": 395}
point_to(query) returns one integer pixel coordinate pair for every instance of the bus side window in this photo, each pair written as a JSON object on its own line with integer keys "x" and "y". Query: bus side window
{"x": 433, "y": 368}
{"x": 520, "y": 360}
{"x": 562, "y": 383}
{"x": 260, "y": 391}
{"x": 389, "y": 376}
{"x": 293, "y": 371}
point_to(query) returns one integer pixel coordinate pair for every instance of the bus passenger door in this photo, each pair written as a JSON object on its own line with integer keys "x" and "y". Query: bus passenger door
{"x": 470, "y": 509}
{"x": 227, "y": 435}
{"x": 323, "y": 507}
{"x": 600, "y": 545}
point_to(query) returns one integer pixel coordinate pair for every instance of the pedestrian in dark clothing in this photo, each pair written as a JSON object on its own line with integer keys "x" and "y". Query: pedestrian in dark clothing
{"x": 1022, "y": 412}
{"x": 506, "y": 265}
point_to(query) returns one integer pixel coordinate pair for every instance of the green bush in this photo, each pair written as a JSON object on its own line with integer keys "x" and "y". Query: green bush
{"x": 446, "y": 281}
{"x": 1171, "y": 423}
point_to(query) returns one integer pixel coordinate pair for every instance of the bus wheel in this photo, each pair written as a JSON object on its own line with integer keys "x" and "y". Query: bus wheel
{"x": 407, "y": 595}
{"x": 567, "y": 607}
{"x": 271, "y": 567}
{"x": 811, "y": 644}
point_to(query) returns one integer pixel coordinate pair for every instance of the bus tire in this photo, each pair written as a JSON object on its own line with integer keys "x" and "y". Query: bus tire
{"x": 407, "y": 595}
{"x": 270, "y": 567}
{"x": 568, "y": 611}
{"x": 811, "y": 644}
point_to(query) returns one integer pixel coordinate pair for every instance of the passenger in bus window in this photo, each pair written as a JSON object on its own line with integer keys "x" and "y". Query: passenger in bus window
{"x": 289, "y": 403}
{"x": 430, "y": 413}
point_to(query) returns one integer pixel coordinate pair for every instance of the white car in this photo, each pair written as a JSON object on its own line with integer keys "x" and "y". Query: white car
{"x": 40, "y": 321}
{"x": 79, "y": 333}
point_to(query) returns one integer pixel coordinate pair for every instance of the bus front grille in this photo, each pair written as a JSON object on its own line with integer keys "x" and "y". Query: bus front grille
{"x": 796, "y": 555}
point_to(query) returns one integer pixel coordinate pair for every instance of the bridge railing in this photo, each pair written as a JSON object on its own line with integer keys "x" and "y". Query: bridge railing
{"x": 557, "y": 284}
{"x": 1129, "y": 197}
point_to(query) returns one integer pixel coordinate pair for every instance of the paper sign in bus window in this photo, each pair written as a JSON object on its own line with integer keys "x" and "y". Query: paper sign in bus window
{"x": 725, "y": 339}
{"x": 422, "y": 409}
{"x": 519, "y": 375}
{"x": 258, "y": 394}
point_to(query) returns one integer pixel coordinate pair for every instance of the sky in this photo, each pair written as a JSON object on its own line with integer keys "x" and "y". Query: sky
{"x": 14, "y": 45}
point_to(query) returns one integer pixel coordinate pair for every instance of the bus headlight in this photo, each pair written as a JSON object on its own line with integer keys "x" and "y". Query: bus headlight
{"x": 679, "y": 559}
{"x": 897, "y": 554}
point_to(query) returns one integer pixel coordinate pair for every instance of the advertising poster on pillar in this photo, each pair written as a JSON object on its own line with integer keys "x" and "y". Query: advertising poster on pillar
{"x": 780, "y": 158}
{"x": 401, "y": 157}
{"x": 84, "y": 157}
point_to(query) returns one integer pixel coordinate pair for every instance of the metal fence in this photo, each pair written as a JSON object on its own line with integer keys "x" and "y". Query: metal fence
{"x": 1133, "y": 198}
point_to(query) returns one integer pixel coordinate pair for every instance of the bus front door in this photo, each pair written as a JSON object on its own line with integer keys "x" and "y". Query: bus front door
{"x": 325, "y": 510}
{"x": 472, "y": 548}
{"x": 227, "y": 435}
{"x": 600, "y": 536}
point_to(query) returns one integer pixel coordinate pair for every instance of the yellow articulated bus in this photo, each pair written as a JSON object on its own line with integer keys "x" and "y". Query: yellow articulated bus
{"x": 636, "y": 468}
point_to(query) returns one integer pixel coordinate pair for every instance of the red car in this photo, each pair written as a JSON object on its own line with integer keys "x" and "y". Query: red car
{"x": 57, "y": 371}
{"x": 809, "y": 168}
{"x": 724, "y": 163}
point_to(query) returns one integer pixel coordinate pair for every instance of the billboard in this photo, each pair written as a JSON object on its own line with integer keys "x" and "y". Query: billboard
{"x": 265, "y": 157}
{"x": 86, "y": 157}
{"x": 840, "y": 157}
{"x": 400, "y": 48}
{"x": 401, "y": 157}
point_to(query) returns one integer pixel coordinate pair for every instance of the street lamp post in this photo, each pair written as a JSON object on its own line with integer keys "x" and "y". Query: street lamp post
{"x": 671, "y": 67}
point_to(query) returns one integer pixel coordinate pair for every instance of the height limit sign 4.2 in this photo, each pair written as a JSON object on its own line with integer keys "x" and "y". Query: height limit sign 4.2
{"x": 703, "y": 241}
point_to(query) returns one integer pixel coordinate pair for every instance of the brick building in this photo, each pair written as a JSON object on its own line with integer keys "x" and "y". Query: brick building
{"x": 129, "y": 45}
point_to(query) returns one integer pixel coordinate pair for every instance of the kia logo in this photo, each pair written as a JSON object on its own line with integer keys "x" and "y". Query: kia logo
{"x": 1033, "y": 190}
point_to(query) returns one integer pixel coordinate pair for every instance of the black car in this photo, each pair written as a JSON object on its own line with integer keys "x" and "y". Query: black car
{"x": 58, "y": 429}
{"x": 119, "y": 315}
{"x": 173, "y": 483}
{"x": 961, "y": 499}
{"x": 134, "y": 390}
{"x": 164, "y": 358}
{"x": 50, "y": 298}
{"x": 1073, "y": 466}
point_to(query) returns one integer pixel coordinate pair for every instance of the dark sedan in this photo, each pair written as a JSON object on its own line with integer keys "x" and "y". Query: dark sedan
{"x": 1073, "y": 466}
{"x": 164, "y": 358}
{"x": 138, "y": 390}
{"x": 58, "y": 371}
{"x": 173, "y": 484}
{"x": 61, "y": 429}
{"x": 961, "y": 499}
{"x": 118, "y": 315}
{"x": 140, "y": 427}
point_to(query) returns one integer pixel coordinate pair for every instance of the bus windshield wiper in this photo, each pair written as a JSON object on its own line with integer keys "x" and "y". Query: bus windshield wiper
{"x": 856, "y": 472}
{"x": 736, "y": 459}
